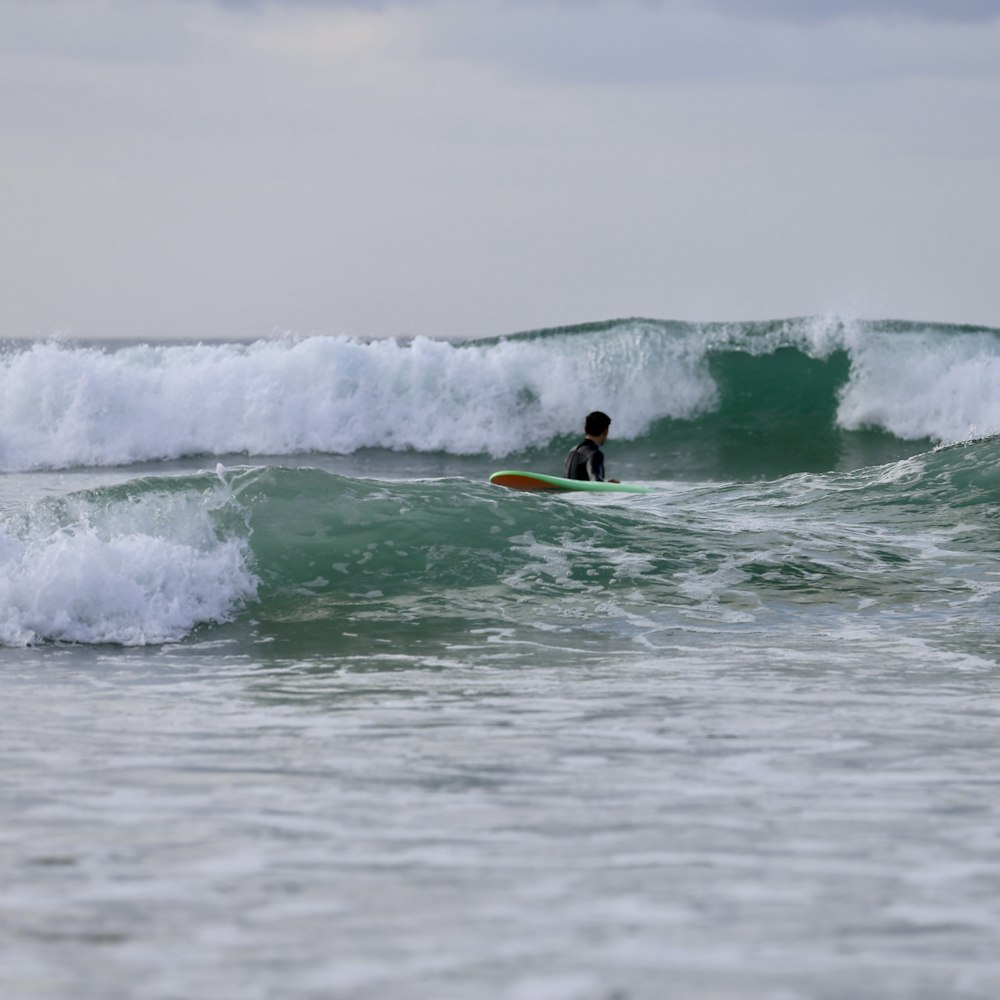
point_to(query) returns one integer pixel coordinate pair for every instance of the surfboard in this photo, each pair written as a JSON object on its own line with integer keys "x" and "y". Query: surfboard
{"x": 536, "y": 482}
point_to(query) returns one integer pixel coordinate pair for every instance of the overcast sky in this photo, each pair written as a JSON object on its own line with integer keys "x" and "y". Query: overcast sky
{"x": 236, "y": 168}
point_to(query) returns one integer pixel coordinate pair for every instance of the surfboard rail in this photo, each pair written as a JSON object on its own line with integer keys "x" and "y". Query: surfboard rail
{"x": 537, "y": 482}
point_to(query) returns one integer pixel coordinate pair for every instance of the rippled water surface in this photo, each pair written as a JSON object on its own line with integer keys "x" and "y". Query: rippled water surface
{"x": 719, "y": 820}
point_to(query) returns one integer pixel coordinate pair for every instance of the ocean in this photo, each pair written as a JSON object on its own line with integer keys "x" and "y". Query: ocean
{"x": 298, "y": 705}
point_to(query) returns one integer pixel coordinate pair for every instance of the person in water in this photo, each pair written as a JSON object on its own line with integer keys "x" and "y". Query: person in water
{"x": 586, "y": 460}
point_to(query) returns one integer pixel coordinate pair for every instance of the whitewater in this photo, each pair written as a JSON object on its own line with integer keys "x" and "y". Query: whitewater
{"x": 69, "y": 404}
{"x": 299, "y": 705}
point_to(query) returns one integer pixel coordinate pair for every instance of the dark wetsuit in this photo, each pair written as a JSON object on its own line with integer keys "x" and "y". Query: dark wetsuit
{"x": 585, "y": 461}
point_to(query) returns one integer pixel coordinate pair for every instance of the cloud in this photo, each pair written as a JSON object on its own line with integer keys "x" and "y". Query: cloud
{"x": 792, "y": 10}
{"x": 832, "y": 10}
{"x": 756, "y": 42}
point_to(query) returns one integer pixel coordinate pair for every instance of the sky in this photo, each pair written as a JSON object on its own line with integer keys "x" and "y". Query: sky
{"x": 463, "y": 168}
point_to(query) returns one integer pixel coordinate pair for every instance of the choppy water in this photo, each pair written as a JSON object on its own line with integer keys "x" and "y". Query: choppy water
{"x": 336, "y": 718}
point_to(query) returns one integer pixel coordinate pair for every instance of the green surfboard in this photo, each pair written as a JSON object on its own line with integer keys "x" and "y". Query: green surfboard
{"x": 537, "y": 482}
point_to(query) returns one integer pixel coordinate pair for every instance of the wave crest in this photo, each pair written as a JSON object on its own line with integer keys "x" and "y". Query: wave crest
{"x": 78, "y": 405}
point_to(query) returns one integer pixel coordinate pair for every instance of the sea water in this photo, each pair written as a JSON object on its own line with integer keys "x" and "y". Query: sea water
{"x": 297, "y": 705}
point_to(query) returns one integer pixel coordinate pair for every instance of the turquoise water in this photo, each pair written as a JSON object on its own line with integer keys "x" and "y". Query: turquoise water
{"x": 299, "y": 705}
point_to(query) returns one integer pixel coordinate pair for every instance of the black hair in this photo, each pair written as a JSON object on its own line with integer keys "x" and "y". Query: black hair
{"x": 596, "y": 424}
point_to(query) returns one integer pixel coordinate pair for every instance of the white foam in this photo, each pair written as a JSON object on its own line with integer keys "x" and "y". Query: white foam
{"x": 132, "y": 572}
{"x": 73, "y": 405}
{"x": 924, "y": 385}
{"x": 64, "y": 406}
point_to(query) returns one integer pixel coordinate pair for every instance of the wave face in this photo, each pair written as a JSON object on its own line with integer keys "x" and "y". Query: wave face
{"x": 712, "y": 401}
{"x": 302, "y": 560}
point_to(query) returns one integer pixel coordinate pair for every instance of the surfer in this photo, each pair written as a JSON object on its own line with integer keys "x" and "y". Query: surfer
{"x": 586, "y": 460}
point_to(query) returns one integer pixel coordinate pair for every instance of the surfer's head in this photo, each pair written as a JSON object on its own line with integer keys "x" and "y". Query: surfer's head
{"x": 596, "y": 424}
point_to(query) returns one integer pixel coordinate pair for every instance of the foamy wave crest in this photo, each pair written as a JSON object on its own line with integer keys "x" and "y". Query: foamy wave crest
{"x": 119, "y": 567}
{"x": 64, "y": 405}
{"x": 73, "y": 405}
{"x": 924, "y": 384}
